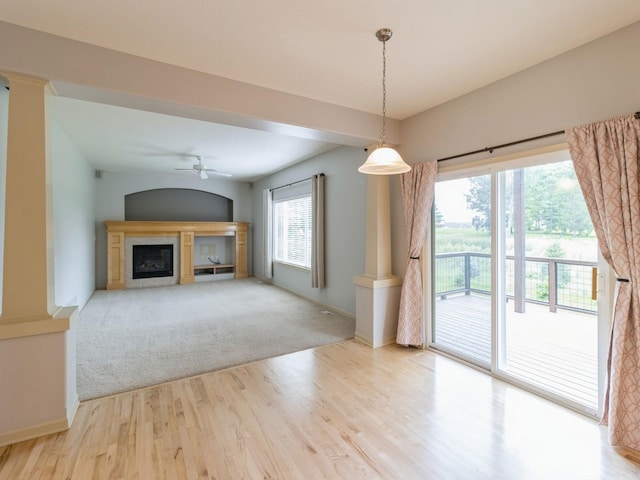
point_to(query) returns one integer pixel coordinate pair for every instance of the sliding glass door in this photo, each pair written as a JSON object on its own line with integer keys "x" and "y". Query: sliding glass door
{"x": 462, "y": 268}
{"x": 514, "y": 259}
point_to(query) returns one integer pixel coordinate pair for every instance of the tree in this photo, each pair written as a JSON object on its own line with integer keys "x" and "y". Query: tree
{"x": 553, "y": 200}
{"x": 479, "y": 200}
{"x": 438, "y": 217}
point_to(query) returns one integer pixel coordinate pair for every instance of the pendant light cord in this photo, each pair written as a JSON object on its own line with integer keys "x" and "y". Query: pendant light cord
{"x": 384, "y": 93}
{"x": 384, "y": 159}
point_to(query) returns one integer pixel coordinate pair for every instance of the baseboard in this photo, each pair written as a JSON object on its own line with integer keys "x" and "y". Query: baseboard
{"x": 325, "y": 305}
{"x": 369, "y": 343}
{"x": 29, "y": 433}
{"x": 71, "y": 413}
{"x": 362, "y": 339}
{"x": 42, "y": 429}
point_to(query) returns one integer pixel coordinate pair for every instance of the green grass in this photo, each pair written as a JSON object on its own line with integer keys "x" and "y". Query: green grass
{"x": 462, "y": 240}
{"x": 583, "y": 247}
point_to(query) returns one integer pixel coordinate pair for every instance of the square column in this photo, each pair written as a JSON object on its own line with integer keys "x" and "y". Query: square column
{"x": 37, "y": 347}
{"x": 377, "y": 291}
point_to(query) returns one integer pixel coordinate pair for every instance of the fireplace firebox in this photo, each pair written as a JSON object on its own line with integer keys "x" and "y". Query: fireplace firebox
{"x": 150, "y": 261}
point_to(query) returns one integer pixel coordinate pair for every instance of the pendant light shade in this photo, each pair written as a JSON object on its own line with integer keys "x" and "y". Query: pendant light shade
{"x": 384, "y": 159}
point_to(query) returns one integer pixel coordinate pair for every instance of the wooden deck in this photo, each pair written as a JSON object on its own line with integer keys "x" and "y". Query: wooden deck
{"x": 553, "y": 351}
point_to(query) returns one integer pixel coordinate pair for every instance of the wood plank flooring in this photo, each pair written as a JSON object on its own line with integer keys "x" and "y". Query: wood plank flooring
{"x": 338, "y": 411}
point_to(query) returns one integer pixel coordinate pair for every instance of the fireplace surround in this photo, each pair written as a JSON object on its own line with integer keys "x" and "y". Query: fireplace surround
{"x": 130, "y": 281}
{"x": 122, "y": 235}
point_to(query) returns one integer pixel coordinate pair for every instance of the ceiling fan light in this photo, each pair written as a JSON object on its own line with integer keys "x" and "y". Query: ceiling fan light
{"x": 203, "y": 175}
{"x": 384, "y": 160}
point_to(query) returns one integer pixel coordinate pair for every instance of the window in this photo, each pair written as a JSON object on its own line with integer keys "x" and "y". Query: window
{"x": 292, "y": 231}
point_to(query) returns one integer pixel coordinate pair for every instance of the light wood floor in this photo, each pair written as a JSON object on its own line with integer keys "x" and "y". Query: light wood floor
{"x": 339, "y": 411}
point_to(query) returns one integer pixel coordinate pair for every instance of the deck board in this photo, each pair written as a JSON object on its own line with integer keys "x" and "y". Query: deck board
{"x": 554, "y": 351}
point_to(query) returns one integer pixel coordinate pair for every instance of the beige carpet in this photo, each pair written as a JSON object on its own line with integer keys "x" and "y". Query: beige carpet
{"x": 133, "y": 338}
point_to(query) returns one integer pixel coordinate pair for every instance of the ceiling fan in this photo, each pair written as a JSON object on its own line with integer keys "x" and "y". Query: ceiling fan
{"x": 202, "y": 170}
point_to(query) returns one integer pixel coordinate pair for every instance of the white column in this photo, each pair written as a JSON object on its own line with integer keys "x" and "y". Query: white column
{"x": 37, "y": 347}
{"x": 377, "y": 290}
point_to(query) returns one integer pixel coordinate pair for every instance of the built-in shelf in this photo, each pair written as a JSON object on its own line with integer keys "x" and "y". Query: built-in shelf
{"x": 213, "y": 268}
{"x": 186, "y": 231}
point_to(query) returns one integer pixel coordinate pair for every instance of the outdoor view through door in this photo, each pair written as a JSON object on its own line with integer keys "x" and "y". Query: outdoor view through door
{"x": 518, "y": 303}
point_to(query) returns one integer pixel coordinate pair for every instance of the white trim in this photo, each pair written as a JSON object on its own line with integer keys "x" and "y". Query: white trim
{"x": 301, "y": 188}
{"x": 268, "y": 232}
{"x": 282, "y": 217}
{"x": 369, "y": 343}
{"x": 373, "y": 283}
{"x": 292, "y": 265}
{"x": 313, "y": 300}
{"x": 427, "y": 270}
{"x": 35, "y": 431}
{"x": 493, "y": 167}
{"x": 536, "y": 156}
{"x": 362, "y": 339}
{"x": 71, "y": 412}
{"x": 606, "y": 295}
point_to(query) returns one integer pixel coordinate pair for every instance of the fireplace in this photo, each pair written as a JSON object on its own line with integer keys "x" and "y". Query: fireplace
{"x": 150, "y": 261}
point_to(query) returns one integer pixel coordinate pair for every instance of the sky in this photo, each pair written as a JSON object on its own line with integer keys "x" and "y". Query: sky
{"x": 451, "y": 201}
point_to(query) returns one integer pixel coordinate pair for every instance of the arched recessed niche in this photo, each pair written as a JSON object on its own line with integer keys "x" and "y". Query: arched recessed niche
{"x": 177, "y": 205}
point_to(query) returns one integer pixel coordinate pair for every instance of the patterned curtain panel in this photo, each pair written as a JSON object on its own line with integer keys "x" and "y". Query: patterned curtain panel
{"x": 317, "y": 243}
{"x": 605, "y": 157}
{"x": 418, "y": 187}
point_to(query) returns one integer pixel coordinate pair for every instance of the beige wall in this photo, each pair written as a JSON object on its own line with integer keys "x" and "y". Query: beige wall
{"x": 594, "y": 82}
{"x": 87, "y": 72}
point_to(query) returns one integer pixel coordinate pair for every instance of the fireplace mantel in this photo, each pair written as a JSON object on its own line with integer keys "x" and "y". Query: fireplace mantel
{"x": 186, "y": 231}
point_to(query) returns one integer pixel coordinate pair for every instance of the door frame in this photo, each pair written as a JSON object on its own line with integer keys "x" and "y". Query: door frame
{"x": 606, "y": 286}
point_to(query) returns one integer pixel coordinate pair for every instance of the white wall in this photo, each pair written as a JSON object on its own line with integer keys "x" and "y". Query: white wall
{"x": 594, "y": 82}
{"x": 73, "y": 195}
{"x": 345, "y": 226}
{"x": 111, "y": 189}
{"x": 73, "y": 183}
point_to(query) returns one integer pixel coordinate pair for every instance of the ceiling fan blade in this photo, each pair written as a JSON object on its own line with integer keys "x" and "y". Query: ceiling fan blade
{"x": 202, "y": 170}
{"x": 215, "y": 172}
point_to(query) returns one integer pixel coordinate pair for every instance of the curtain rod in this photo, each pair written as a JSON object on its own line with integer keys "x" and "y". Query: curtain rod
{"x": 293, "y": 183}
{"x": 491, "y": 149}
{"x": 530, "y": 139}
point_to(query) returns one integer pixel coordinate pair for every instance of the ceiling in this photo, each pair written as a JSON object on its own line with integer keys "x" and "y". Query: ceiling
{"x": 116, "y": 139}
{"x": 326, "y": 51}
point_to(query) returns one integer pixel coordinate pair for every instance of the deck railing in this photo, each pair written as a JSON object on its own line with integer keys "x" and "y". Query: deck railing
{"x": 556, "y": 282}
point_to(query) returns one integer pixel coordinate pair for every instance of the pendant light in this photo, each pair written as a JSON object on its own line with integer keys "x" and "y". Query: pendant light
{"x": 384, "y": 160}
